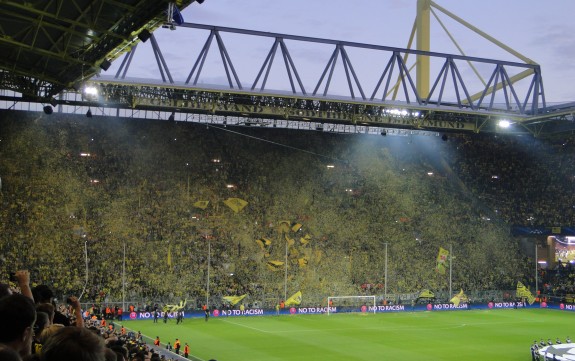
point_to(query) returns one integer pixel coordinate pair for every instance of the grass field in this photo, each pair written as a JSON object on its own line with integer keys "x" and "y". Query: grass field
{"x": 451, "y": 335}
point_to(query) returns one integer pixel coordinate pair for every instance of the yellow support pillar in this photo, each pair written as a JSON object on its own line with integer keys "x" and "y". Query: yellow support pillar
{"x": 423, "y": 43}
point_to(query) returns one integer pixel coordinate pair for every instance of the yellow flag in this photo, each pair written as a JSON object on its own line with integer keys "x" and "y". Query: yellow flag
{"x": 290, "y": 241}
{"x": 294, "y": 300}
{"x": 283, "y": 226}
{"x": 201, "y": 204}
{"x": 523, "y": 292}
{"x": 426, "y": 294}
{"x": 458, "y": 298}
{"x": 235, "y": 204}
{"x": 275, "y": 265}
{"x": 264, "y": 243}
{"x": 442, "y": 260}
{"x": 233, "y": 300}
{"x": 296, "y": 227}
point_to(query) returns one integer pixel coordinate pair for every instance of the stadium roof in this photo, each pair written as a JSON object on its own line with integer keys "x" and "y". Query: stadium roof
{"x": 51, "y": 45}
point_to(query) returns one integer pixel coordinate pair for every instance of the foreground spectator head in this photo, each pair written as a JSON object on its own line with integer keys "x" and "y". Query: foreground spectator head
{"x": 121, "y": 351}
{"x": 5, "y": 290}
{"x": 73, "y": 343}
{"x": 49, "y": 331}
{"x": 111, "y": 355}
{"x": 48, "y": 309}
{"x": 42, "y": 321}
{"x": 42, "y": 294}
{"x": 8, "y": 354}
{"x": 17, "y": 314}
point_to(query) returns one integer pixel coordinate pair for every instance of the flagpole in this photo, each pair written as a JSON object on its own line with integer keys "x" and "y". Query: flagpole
{"x": 450, "y": 268}
{"x": 208, "y": 274}
{"x": 536, "y": 273}
{"x": 285, "y": 272}
{"x": 87, "y": 269}
{"x": 385, "y": 275}
{"x": 124, "y": 279}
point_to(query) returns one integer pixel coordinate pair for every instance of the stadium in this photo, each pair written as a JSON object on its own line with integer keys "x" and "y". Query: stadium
{"x": 250, "y": 233}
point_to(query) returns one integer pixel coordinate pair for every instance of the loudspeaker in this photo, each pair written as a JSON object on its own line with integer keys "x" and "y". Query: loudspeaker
{"x": 144, "y": 35}
{"x": 105, "y": 64}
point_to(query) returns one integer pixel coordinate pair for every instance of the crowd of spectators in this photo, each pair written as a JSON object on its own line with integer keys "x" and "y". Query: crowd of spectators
{"x": 32, "y": 330}
{"x": 94, "y": 200}
{"x": 558, "y": 283}
{"x": 524, "y": 180}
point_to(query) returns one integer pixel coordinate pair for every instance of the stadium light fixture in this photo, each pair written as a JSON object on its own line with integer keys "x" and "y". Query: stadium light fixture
{"x": 504, "y": 123}
{"x": 91, "y": 92}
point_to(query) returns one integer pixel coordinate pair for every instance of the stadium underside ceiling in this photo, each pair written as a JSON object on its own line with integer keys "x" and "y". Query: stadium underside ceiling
{"x": 53, "y": 49}
{"x": 51, "y": 45}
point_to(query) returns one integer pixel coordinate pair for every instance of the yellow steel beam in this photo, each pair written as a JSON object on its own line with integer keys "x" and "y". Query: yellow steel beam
{"x": 423, "y": 44}
{"x": 405, "y": 56}
{"x": 458, "y": 47}
{"x": 481, "y": 33}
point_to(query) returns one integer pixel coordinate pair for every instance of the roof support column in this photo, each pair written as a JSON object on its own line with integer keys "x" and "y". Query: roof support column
{"x": 423, "y": 44}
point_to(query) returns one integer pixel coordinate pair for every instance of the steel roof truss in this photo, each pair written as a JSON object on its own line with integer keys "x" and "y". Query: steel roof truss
{"x": 201, "y": 59}
{"x": 226, "y": 60}
{"x": 347, "y": 64}
{"x": 267, "y": 66}
{"x": 289, "y": 66}
{"x": 162, "y": 66}
{"x": 126, "y": 63}
{"x": 389, "y": 67}
{"x": 329, "y": 66}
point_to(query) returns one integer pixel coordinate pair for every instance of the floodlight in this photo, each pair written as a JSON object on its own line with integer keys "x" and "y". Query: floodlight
{"x": 504, "y": 123}
{"x": 91, "y": 91}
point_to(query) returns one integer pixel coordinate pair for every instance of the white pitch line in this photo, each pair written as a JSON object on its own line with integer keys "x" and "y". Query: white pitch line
{"x": 383, "y": 327}
{"x": 239, "y": 324}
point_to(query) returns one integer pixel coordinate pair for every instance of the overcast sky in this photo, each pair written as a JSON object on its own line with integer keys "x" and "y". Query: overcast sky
{"x": 541, "y": 30}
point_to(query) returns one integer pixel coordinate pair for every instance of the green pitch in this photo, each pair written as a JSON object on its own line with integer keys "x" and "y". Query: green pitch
{"x": 451, "y": 335}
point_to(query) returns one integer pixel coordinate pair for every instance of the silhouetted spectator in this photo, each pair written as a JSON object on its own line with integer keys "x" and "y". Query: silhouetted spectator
{"x": 73, "y": 343}
{"x": 18, "y": 315}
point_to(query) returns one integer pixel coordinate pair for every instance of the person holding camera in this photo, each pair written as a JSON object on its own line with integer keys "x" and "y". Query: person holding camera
{"x": 76, "y": 309}
{"x": 22, "y": 279}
